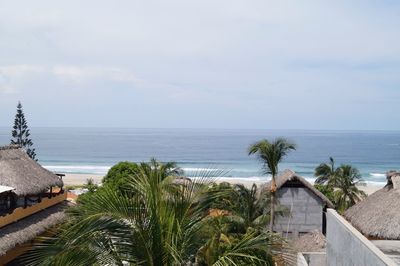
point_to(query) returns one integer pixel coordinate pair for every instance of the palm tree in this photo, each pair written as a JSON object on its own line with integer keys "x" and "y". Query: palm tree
{"x": 271, "y": 154}
{"x": 241, "y": 223}
{"x": 252, "y": 248}
{"x": 249, "y": 209}
{"x": 324, "y": 171}
{"x": 345, "y": 182}
{"x": 159, "y": 223}
{"x": 164, "y": 169}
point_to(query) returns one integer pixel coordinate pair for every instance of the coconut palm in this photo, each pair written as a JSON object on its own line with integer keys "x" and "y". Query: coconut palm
{"x": 238, "y": 226}
{"x": 343, "y": 181}
{"x": 346, "y": 193}
{"x": 252, "y": 248}
{"x": 249, "y": 207}
{"x": 158, "y": 224}
{"x": 164, "y": 169}
{"x": 324, "y": 171}
{"x": 271, "y": 154}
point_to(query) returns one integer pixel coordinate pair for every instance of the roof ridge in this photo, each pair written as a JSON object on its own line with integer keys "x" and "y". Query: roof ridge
{"x": 10, "y": 147}
{"x": 289, "y": 175}
{"x": 288, "y": 171}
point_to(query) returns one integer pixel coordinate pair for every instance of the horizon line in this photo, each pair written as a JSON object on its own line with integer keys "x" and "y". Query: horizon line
{"x": 208, "y": 128}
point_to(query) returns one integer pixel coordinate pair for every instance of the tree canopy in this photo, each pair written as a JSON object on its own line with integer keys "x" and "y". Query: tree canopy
{"x": 159, "y": 222}
{"x": 339, "y": 184}
{"x": 21, "y": 133}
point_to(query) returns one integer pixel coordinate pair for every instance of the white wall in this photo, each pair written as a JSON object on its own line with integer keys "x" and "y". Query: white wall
{"x": 301, "y": 261}
{"x": 347, "y": 246}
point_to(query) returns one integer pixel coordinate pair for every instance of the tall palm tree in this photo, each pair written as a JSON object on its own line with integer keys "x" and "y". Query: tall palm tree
{"x": 158, "y": 223}
{"x": 271, "y": 154}
{"x": 324, "y": 171}
{"x": 345, "y": 182}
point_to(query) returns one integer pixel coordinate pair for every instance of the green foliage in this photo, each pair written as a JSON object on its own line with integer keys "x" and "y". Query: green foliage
{"x": 90, "y": 185}
{"x": 21, "y": 133}
{"x": 324, "y": 171}
{"x": 340, "y": 183}
{"x": 248, "y": 207}
{"x": 251, "y": 248}
{"x": 327, "y": 191}
{"x": 159, "y": 222}
{"x": 236, "y": 230}
{"x": 118, "y": 176}
{"x": 271, "y": 154}
{"x": 345, "y": 184}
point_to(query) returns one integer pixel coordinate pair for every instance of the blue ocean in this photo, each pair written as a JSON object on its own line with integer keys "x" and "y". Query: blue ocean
{"x": 95, "y": 150}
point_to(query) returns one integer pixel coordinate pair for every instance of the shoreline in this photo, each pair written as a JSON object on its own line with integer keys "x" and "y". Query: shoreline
{"x": 81, "y": 179}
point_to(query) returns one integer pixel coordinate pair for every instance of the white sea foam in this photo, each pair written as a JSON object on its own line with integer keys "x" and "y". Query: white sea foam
{"x": 194, "y": 169}
{"x": 377, "y": 174}
{"x": 377, "y": 178}
{"x": 77, "y": 167}
{"x": 86, "y": 169}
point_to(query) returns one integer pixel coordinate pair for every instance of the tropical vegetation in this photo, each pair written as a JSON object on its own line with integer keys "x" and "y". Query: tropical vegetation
{"x": 339, "y": 184}
{"x": 271, "y": 153}
{"x": 163, "y": 219}
{"x": 21, "y": 133}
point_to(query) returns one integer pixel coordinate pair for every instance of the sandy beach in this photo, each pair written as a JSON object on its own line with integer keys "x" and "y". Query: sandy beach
{"x": 81, "y": 179}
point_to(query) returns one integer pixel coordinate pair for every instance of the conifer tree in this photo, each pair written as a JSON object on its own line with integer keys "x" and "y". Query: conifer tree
{"x": 21, "y": 133}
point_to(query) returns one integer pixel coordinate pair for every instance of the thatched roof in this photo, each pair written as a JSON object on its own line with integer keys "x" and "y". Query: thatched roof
{"x": 289, "y": 175}
{"x": 30, "y": 227}
{"x": 378, "y": 216}
{"x": 19, "y": 171}
{"x": 182, "y": 181}
{"x": 312, "y": 242}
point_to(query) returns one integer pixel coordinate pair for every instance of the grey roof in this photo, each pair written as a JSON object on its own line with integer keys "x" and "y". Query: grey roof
{"x": 19, "y": 171}
{"x": 30, "y": 227}
{"x": 378, "y": 215}
{"x": 289, "y": 175}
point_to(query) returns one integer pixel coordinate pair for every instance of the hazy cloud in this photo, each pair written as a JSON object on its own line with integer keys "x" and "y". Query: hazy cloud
{"x": 270, "y": 64}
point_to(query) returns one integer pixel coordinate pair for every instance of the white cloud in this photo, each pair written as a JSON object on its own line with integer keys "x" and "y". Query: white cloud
{"x": 222, "y": 58}
{"x": 20, "y": 70}
{"x": 78, "y": 73}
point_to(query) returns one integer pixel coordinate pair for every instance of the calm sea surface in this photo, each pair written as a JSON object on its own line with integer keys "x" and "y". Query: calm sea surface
{"x": 94, "y": 150}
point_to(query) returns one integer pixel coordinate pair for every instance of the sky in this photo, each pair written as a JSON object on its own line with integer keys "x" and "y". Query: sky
{"x": 201, "y": 64}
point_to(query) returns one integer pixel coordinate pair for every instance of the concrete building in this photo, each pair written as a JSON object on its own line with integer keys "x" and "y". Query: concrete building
{"x": 305, "y": 205}
{"x": 378, "y": 217}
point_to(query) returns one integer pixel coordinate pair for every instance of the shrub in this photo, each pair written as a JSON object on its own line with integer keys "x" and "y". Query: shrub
{"x": 118, "y": 175}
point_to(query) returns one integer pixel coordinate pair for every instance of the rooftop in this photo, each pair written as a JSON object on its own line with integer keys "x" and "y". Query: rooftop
{"x": 378, "y": 216}
{"x": 289, "y": 175}
{"x": 24, "y": 175}
{"x": 30, "y": 227}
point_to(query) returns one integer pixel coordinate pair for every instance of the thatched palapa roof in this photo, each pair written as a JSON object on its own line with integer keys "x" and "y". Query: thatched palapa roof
{"x": 30, "y": 227}
{"x": 312, "y": 242}
{"x": 26, "y": 176}
{"x": 289, "y": 175}
{"x": 378, "y": 216}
